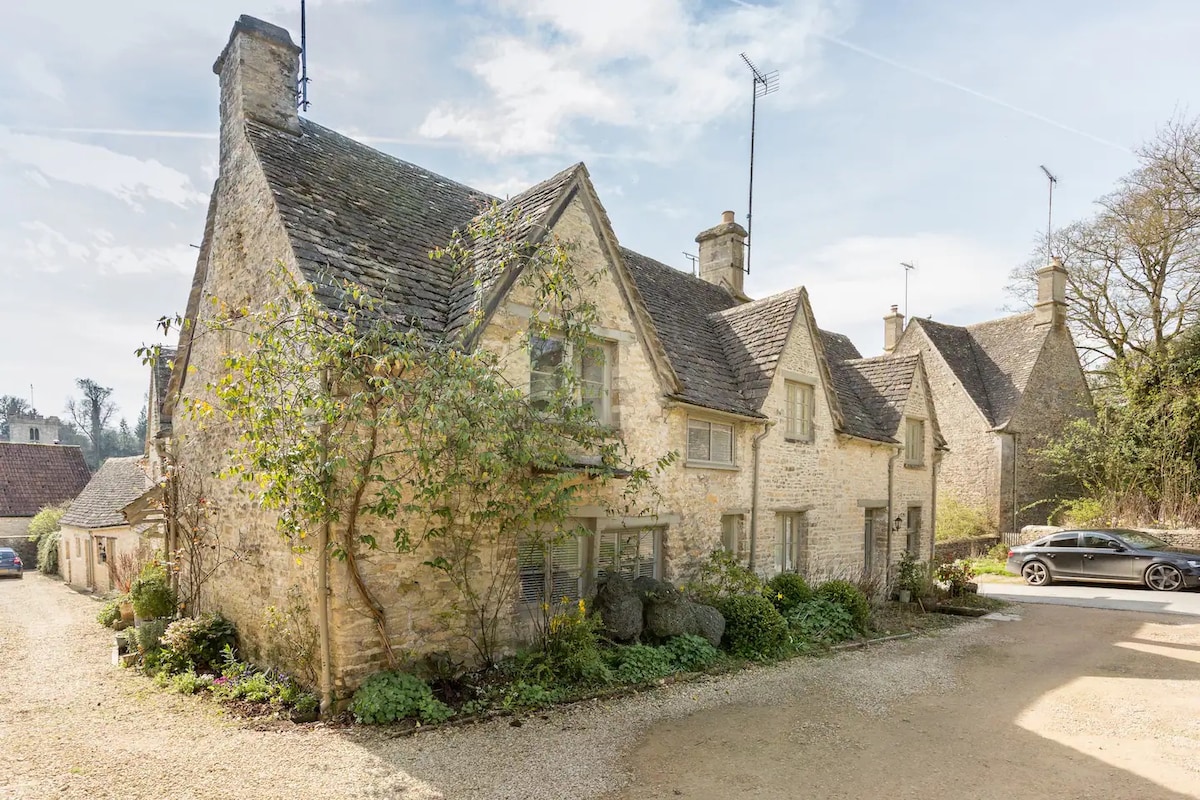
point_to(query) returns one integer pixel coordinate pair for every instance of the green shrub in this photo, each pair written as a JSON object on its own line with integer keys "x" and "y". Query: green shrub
{"x": 199, "y": 643}
{"x": 692, "y": 653}
{"x": 849, "y": 597}
{"x": 786, "y": 591}
{"x": 822, "y": 621}
{"x": 570, "y": 652}
{"x": 391, "y": 696}
{"x": 520, "y": 695}
{"x": 753, "y": 627}
{"x": 642, "y": 663}
{"x": 47, "y": 552}
{"x": 151, "y": 594}
{"x": 148, "y": 636}
{"x": 999, "y": 551}
{"x": 110, "y": 614}
{"x": 910, "y": 574}
{"x": 1082, "y": 512}
{"x": 957, "y": 520}
{"x": 189, "y": 682}
{"x": 721, "y": 576}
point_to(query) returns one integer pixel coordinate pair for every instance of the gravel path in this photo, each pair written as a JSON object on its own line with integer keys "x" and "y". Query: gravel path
{"x": 74, "y": 726}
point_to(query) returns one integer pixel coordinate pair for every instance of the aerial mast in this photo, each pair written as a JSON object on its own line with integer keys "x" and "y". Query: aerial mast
{"x": 763, "y": 84}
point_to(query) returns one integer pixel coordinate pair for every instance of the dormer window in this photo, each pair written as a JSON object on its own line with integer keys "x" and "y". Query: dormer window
{"x": 798, "y": 411}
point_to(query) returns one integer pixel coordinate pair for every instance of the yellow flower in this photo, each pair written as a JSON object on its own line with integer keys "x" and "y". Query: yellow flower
{"x": 779, "y": 595}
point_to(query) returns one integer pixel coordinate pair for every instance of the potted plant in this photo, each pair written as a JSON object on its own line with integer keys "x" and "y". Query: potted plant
{"x": 909, "y": 577}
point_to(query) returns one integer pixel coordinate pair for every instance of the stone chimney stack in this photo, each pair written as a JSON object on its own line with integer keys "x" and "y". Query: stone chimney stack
{"x": 1051, "y": 308}
{"x": 723, "y": 256}
{"x": 893, "y": 328}
{"x": 259, "y": 71}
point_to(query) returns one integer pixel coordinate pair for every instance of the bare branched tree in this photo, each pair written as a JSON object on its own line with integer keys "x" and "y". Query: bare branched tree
{"x": 92, "y": 413}
{"x": 1134, "y": 267}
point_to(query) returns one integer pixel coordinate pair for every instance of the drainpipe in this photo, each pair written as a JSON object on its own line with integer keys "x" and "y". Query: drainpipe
{"x": 323, "y": 537}
{"x": 937, "y": 463}
{"x": 887, "y": 556}
{"x": 1013, "y": 482}
{"x": 754, "y": 494}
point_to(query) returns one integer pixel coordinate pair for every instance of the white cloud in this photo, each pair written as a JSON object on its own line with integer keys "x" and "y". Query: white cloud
{"x": 45, "y": 249}
{"x": 654, "y": 66}
{"x": 126, "y": 177}
{"x": 32, "y": 72}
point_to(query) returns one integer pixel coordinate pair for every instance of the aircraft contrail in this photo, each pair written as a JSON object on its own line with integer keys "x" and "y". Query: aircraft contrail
{"x": 891, "y": 62}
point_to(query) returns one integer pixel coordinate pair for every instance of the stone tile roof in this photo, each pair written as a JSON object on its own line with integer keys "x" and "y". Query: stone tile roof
{"x": 117, "y": 483}
{"x": 992, "y": 360}
{"x": 33, "y": 476}
{"x": 685, "y": 311}
{"x": 352, "y": 212}
{"x": 752, "y": 336}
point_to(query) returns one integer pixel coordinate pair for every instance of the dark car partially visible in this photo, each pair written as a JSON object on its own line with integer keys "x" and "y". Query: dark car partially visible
{"x": 1106, "y": 555}
{"x": 10, "y": 562}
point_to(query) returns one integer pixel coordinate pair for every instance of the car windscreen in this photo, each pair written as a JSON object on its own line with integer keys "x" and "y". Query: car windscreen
{"x": 1142, "y": 540}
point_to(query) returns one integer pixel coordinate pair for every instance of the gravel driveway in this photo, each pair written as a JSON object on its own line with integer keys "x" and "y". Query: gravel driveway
{"x": 71, "y": 725}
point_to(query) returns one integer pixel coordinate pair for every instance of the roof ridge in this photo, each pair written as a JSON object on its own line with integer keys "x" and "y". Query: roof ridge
{"x": 759, "y": 303}
{"x": 694, "y": 279}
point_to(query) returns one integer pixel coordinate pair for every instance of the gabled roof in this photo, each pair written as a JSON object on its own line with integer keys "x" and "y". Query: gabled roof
{"x": 992, "y": 360}
{"x": 752, "y": 336}
{"x": 33, "y": 476}
{"x": 117, "y": 483}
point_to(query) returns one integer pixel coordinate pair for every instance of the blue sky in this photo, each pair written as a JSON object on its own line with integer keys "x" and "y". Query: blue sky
{"x": 902, "y": 132}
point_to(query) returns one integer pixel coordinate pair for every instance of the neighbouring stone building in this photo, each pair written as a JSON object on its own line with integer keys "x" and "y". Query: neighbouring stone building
{"x": 95, "y": 532}
{"x": 1002, "y": 389}
{"x": 33, "y": 476}
{"x": 796, "y": 452}
{"x": 33, "y": 428}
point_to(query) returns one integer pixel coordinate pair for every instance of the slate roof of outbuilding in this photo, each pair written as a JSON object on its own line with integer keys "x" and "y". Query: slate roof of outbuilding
{"x": 117, "y": 483}
{"x": 33, "y": 476}
{"x": 992, "y": 360}
{"x": 352, "y": 212}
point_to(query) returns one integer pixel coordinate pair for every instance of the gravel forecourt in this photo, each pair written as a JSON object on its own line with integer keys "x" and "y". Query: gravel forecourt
{"x": 1065, "y": 702}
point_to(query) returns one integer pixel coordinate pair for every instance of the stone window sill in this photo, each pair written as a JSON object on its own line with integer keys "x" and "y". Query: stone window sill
{"x": 915, "y": 465}
{"x": 798, "y": 439}
{"x": 711, "y": 465}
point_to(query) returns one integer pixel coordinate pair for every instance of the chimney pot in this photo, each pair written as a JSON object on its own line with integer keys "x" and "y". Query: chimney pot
{"x": 726, "y": 216}
{"x": 1051, "y": 308}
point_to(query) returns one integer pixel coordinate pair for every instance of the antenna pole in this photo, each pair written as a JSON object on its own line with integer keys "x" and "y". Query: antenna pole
{"x": 762, "y": 85}
{"x": 303, "y": 104}
{"x": 1049, "y": 211}
{"x": 907, "y": 269}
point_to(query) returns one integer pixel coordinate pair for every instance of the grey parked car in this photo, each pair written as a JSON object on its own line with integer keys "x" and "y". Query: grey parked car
{"x": 1109, "y": 555}
{"x": 10, "y": 562}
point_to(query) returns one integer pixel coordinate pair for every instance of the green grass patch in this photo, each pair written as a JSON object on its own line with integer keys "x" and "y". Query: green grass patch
{"x": 989, "y": 566}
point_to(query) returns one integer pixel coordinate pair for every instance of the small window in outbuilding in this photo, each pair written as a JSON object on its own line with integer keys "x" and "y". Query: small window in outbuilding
{"x": 34, "y": 434}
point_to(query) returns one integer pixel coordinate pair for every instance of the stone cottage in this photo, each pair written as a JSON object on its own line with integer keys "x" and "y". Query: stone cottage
{"x": 1002, "y": 389}
{"x": 95, "y": 532}
{"x": 796, "y": 452}
{"x": 33, "y": 476}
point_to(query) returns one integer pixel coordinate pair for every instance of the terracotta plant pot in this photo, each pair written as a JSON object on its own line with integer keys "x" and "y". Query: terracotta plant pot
{"x": 127, "y": 611}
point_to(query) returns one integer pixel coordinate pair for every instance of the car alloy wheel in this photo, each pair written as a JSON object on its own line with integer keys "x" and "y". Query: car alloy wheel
{"x": 1035, "y": 573}
{"x": 1163, "y": 578}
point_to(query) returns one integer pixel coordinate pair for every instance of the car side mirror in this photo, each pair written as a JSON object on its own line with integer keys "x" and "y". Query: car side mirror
{"x": 1120, "y": 548}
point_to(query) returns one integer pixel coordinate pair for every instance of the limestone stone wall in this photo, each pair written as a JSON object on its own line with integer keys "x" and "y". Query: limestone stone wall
{"x": 970, "y": 471}
{"x": 1057, "y": 393}
{"x": 1188, "y": 538}
{"x": 913, "y": 485}
{"x": 73, "y": 556}
{"x": 247, "y": 242}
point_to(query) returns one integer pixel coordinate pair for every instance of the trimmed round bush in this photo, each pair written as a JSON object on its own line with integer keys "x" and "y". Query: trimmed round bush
{"x": 754, "y": 628}
{"x": 849, "y": 597}
{"x": 151, "y": 595}
{"x": 787, "y": 590}
{"x": 392, "y": 696}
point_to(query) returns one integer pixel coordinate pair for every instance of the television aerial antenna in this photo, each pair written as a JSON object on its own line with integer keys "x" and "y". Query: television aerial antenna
{"x": 302, "y": 89}
{"x": 764, "y": 84}
{"x": 1049, "y": 210}
{"x": 908, "y": 267}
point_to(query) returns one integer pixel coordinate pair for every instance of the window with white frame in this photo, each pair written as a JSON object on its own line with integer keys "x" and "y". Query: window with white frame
{"x": 629, "y": 552}
{"x": 731, "y": 534}
{"x": 791, "y": 542}
{"x": 914, "y": 442}
{"x": 590, "y": 367}
{"x": 798, "y": 410}
{"x": 709, "y": 442}
{"x": 551, "y": 568}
